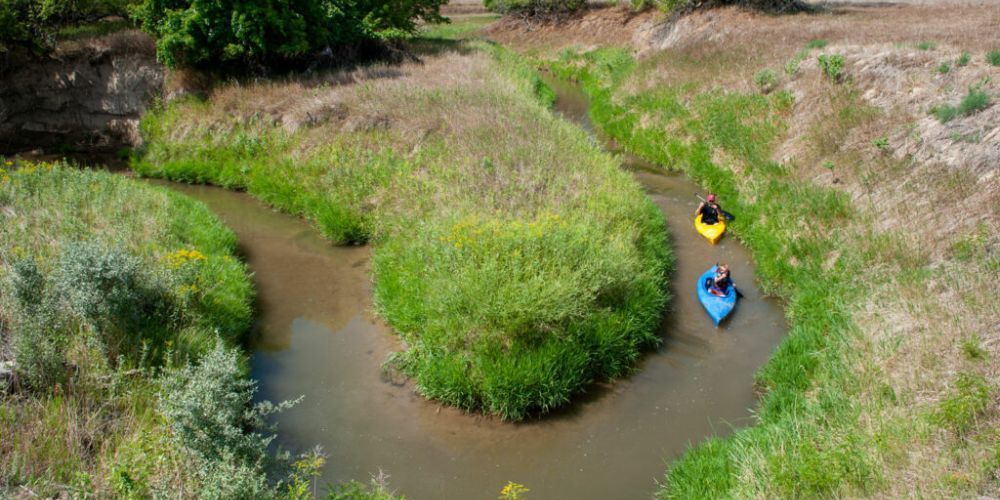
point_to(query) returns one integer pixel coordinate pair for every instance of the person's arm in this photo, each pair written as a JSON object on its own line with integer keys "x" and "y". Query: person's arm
{"x": 698, "y": 211}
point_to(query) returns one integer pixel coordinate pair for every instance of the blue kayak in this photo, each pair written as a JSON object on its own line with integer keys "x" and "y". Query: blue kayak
{"x": 717, "y": 307}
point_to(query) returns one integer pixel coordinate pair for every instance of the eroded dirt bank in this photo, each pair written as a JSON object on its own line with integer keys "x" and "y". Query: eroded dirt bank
{"x": 86, "y": 95}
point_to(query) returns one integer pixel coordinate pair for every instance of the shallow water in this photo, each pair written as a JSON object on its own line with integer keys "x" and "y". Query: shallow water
{"x": 319, "y": 338}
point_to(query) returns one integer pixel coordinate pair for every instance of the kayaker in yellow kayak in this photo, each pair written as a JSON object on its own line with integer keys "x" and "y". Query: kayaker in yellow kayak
{"x": 709, "y": 210}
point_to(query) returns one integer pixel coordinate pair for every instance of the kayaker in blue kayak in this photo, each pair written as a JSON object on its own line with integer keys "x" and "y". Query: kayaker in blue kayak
{"x": 709, "y": 210}
{"x": 719, "y": 285}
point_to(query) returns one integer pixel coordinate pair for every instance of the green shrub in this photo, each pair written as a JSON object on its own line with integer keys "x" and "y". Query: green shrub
{"x": 377, "y": 489}
{"x": 882, "y": 143}
{"x": 212, "y": 416}
{"x": 964, "y": 59}
{"x": 943, "y": 68}
{"x": 765, "y": 80}
{"x": 974, "y": 101}
{"x": 832, "y": 66}
{"x": 927, "y": 45}
{"x": 35, "y": 23}
{"x": 993, "y": 57}
{"x": 266, "y": 32}
{"x": 816, "y": 44}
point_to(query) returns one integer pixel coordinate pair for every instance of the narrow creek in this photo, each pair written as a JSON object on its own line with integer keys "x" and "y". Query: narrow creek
{"x": 318, "y": 338}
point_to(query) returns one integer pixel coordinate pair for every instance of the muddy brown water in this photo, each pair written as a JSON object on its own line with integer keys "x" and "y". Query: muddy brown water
{"x": 319, "y": 338}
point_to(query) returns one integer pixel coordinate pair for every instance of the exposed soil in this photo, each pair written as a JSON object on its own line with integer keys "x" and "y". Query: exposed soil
{"x": 84, "y": 96}
{"x": 591, "y": 28}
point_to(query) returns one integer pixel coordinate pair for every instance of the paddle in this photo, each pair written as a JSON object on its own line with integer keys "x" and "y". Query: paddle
{"x": 726, "y": 214}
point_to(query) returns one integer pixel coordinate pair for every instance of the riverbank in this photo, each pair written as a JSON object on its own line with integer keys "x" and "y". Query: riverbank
{"x": 123, "y": 309}
{"x": 516, "y": 261}
{"x": 885, "y": 384}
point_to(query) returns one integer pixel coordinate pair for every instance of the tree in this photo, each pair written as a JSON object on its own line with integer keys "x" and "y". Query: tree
{"x": 34, "y": 23}
{"x": 265, "y": 32}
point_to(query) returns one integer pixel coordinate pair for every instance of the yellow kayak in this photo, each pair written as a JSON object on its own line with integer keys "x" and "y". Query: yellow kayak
{"x": 711, "y": 232}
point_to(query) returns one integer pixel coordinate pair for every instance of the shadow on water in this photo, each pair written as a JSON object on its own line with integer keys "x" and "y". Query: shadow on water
{"x": 319, "y": 338}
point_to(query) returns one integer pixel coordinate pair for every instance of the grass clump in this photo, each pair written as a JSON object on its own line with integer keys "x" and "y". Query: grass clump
{"x": 974, "y": 101}
{"x": 515, "y": 259}
{"x": 926, "y": 45}
{"x": 993, "y": 57}
{"x": 107, "y": 284}
{"x": 792, "y": 66}
{"x": 969, "y": 399}
{"x": 832, "y": 66}
{"x": 964, "y": 59}
{"x": 765, "y": 80}
{"x": 944, "y": 68}
{"x": 818, "y": 43}
{"x": 972, "y": 349}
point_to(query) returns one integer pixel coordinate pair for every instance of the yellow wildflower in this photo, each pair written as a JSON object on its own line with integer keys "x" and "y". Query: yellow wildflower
{"x": 513, "y": 491}
{"x": 183, "y": 256}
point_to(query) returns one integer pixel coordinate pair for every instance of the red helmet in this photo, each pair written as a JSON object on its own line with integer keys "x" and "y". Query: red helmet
{"x": 711, "y": 197}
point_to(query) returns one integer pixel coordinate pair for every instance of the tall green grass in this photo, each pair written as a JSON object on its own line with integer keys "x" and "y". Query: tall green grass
{"x": 105, "y": 282}
{"x": 515, "y": 259}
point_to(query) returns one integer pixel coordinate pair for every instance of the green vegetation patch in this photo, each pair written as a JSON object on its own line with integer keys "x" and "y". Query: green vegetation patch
{"x": 457, "y": 28}
{"x": 121, "y": 309}
{"x": 974, "y": 101}
{"x": 212, "y": 32}
{"x": 832, "y": 66}
{"x": 146, "y": 269}
{"x": 38, "y": 24}
{"x": 512, "y": 255}
{"x": 993, "y": 57}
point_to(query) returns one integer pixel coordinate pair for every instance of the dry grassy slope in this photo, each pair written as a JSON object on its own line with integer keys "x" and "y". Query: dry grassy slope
{"x": 937, "y": 181}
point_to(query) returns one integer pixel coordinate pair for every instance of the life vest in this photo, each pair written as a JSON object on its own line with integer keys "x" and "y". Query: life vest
{"x": 709, "y": 215}
{"x": 722, "y": 285}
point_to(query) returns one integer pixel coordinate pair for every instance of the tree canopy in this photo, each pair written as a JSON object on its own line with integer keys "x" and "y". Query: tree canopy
{"x": 35, "y": 23}
{"x": 227, "y": 32}
{"x": 205, "y": 32}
